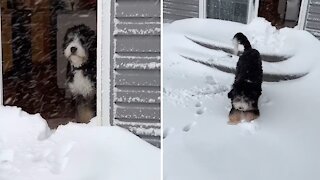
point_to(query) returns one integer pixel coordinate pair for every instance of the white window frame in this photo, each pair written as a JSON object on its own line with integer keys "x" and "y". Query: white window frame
{"x": 202, "y": 9}
{"x": 303, "y": 14}
{"x": 252, "y": 9}
{"x": 103, "y": 62}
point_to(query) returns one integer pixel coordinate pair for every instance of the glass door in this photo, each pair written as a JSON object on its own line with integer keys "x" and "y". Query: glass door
{"x": 34, "y": 65}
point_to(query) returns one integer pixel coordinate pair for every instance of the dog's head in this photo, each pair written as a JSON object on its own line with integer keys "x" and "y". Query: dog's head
{"x": 79, "y": 43}
{"x": 242, "y": 103}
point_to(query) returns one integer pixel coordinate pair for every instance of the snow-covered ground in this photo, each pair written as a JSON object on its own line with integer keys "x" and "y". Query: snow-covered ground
{"x": 283, "y": 143}
{"x": 30, "y": 151}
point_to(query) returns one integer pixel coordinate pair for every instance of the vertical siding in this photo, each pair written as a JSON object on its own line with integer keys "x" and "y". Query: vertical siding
{"x": 312, "y": 23}
{"x": 180, "y": 9}
{"x": 135, "y": 63}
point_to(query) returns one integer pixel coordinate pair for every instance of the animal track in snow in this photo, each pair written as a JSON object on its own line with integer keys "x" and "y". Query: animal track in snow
{"x": 265, "y": 101}
{"x": 6, "y": 156}
{"x": 200, "y": 111}
{"x": 210, "y": 80}
{"x": 167, "y": 132}
{"x": 58, "y": 159}
{"x": 189, "y": 126}
{"x": 198, "y": 104}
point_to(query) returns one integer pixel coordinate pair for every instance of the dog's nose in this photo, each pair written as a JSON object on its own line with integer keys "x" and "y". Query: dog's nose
{"x": 73, "y": 49}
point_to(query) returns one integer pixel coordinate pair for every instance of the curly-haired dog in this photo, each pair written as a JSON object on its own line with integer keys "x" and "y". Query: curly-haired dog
{"x": 79, "y": 48}
{"x": 246, "y": 88}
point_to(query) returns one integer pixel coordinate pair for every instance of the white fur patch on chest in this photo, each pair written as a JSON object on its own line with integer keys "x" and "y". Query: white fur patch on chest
{"x": 81, "y": 85}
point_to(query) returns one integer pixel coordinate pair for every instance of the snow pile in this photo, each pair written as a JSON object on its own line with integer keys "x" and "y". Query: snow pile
{"x": 29, "y": 151}
{"x": 281, "y": 144}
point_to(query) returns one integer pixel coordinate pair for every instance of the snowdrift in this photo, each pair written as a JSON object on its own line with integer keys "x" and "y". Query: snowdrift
{"x": 199, "y": 144}
{"x": 30, "y": 151}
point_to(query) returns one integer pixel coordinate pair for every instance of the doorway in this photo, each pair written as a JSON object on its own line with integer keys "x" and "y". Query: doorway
{"x": 34, "y": 70}
{"x": 281, "y": 13}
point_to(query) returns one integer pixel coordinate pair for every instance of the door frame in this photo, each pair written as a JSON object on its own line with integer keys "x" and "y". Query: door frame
{"x": 1, "y": 79}
{"x": 252, "y": 10}
{"x": 302, "y": 12}
{"x": 202, "y": 9}
{"x": 103, "y": 62}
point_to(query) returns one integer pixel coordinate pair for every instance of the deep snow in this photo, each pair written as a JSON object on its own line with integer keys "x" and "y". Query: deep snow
{"x": 30, "y": 151}
{"x": 199, "y": 144}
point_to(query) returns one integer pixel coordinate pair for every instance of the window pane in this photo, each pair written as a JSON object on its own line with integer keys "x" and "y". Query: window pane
{"x": 232, "y": 10}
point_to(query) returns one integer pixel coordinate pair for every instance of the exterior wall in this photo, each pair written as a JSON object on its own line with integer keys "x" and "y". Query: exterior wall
{"x": 180, "y": 9}
{"x": 312, "y": 23}
{"x": 135, "y": 67}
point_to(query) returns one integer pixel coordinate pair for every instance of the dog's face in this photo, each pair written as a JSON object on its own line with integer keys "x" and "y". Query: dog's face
{"x": 242, "y": 103}
{"x": 78, "y": 42}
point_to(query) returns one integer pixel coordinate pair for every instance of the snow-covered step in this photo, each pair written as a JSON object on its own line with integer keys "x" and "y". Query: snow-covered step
{"x": 229, "y": 50}
{"x": 268, "y": 77}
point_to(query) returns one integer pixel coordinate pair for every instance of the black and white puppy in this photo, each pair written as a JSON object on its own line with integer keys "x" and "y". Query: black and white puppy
{"x": 246, "y": 88}
{"x": 79, "y": 48}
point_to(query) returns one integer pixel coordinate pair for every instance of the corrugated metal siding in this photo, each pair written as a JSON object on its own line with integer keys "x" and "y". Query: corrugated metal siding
{"x": 312, "y": 23}
{"x": 135, "y": 64}
{"x": 180, "y": 9}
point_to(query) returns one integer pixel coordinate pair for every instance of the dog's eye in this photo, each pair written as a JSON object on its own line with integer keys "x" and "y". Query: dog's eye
{"x": 82, "y": 41}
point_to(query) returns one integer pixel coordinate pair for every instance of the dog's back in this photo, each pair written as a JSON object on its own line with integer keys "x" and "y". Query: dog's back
{"x": 249, "y": 66}
{"x": 249, "y": 71}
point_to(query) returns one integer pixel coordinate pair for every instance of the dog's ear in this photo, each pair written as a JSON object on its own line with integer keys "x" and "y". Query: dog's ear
{"x": 231, "y": 94}
{"x": 92, "y": 39}
{"x": 256, "y": 94}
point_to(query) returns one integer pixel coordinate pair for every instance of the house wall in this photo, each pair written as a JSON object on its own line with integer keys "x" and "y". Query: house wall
{"x": 135, "y": 67}
{"x": 312, "y": 23}
{"x": 180, "y": 9}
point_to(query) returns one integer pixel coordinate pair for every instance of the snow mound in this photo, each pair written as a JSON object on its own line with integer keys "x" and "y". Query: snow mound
{"x": 30, "y": 151}
{"x": 280, "y": 144}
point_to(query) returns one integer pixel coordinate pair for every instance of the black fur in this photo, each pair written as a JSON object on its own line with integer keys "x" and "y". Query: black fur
{"x": 88, "y": 41}
{"x": 249, "y": 73}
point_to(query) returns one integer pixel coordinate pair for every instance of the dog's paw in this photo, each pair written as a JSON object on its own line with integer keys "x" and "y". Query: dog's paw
{"x": 234, "y": 117}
